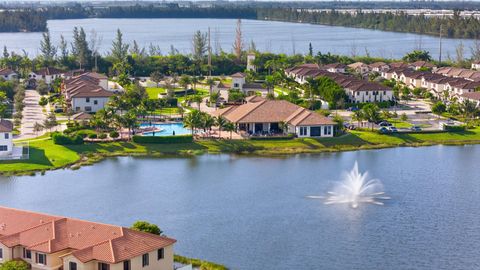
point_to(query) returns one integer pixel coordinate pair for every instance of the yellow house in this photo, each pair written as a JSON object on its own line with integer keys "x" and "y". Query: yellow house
{"x": 48, "y": 242}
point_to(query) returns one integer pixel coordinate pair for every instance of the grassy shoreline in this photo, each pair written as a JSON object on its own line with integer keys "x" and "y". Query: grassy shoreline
{"x": 45, "y": 155}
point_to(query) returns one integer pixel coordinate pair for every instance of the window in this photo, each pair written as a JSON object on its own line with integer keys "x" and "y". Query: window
{"x": 145, "y": 260}
{"x": 42, "y": 258}
{"x": 126, "y": 265}
{"x": 87, "y": 99}
{"x": 72, "y": 266}
{"x": 103, "y": 266}
{"x": 95, "y": 102}
{"x": 7, "y": 135}
{"x": 1, "y": 254}
{"x": 88, "y": 108}
{"x": 3, "y": 148}
{"x": 27, "y": 254}
{"x": 77, "y": 109}
{"x": 303, "y": 131}
{"x": 160, "y": 254}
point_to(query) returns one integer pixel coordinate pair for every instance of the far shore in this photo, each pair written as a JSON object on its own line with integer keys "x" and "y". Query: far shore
{"x": 45, "y": 155}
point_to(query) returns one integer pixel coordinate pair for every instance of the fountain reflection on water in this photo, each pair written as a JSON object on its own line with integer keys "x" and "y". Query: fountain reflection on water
{"x": 355, "y": 188}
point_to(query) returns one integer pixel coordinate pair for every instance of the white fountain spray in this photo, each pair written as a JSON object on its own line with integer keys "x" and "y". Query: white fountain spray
{"x": 356, "y": 188}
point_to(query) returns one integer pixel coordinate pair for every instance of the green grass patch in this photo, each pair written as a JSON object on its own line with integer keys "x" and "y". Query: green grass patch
{"x": 45, "y": 155}
{"x": 203, "y": 265}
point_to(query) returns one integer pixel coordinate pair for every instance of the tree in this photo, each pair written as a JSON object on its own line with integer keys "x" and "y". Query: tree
{"x": 43, "y": 101}
{"x": 80, "y": 49}
{"x": 197, "y": 99}
{"x": 468, "y": 108}
{"x": 238, "y": 45}
{"x": 50, "y": 121}
{"x": 37, "y": 127}
{"x": 210, "y": 83}
{"x": 310, "y": 49}
{"x": 221, "y": 122}
{"x": 14, "y": 265}
{"x": 193, "y": 120}
{"x": 358, "y": 116}
{"x": 200, "y": 45}
{"x": 417, "y": 55}
{"x": 156, "y": 77}
{"x": 404, "y": 117}
{"x": 42, "y": 87}
{"x": 214, "y": 98}
{"x": 230, "y": 127}
{"x": 144, "y": 226}
{"x": 63, "y": 50}
{"x": 371, "y": 112}
{"x": 47, "y": 49}
{"x": 439, "y": 108}
{"x": 184, "y": 82}
{"x": 3, "y": 104}
{"x": 119, "y": 49}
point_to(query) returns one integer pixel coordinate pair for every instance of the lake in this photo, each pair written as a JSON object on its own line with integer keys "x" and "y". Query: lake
{"x": 252, "y": 212}
{"x": 278, "y": 37}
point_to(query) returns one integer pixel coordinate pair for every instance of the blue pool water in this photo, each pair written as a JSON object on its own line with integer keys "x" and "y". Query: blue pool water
{"x": 168, "y": 129}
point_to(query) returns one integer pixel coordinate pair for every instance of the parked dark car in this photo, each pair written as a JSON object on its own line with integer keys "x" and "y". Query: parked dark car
{"x": 416, "y": 128}
{"x": 392, "y": 129}
{"x": 383, "y": 130}
{"x": 385, "y": 124}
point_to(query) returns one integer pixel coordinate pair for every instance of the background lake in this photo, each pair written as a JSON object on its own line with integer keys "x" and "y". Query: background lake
{"x": 252, "y": 212}
{"x": 278, "y": 37}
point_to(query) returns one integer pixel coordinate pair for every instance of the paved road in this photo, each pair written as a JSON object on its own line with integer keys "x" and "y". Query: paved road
{"x": 32, "y": 113}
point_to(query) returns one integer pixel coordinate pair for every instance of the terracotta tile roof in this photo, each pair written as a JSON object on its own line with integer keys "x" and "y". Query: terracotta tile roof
{"x": 378, "y": 64}
{"x": 357, "y": 65}
{"x": 398, "y": 65}
{"x": 423, "y": 64}
{"x": 89, "y": 240}
{"x": 86, "y": 85}
{"x": 335, "y": 65}
{"x": 6, "y": 71}
{"x": 238, "y": 75}
{"x": 81, "y": 116}
{"x": 472, "y": 95}
{"x": 272, "y": 111}
{"x": 49, "y": 71}
{"x": 5, "y": 126}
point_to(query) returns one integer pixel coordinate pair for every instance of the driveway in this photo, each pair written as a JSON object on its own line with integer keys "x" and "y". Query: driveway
{"x": 32, "y": 113}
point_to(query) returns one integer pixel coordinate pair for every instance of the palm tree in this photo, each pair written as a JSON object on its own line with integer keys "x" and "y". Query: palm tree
{"x": 283, "y": 126}
{"x": 193, "y": 120}
{"x": 214, "y": 98}
{"x": 184, "y": 82}
{"x": 210, "y": 83}
{"x": 371, "y": 113}
{"x": 468, "y": 108}
{"x": 358, "y": 116}
{"x": 230, "y": 127}
{"x": 221, "y": 122}
{"x": 197, "y": 99}
{"x": 207, "y": 121}
{"x": 194, "y": 81}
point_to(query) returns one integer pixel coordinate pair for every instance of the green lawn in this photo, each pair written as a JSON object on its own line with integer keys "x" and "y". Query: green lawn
{"x": 45, "y": 155}
{"x": 154, "y": 91}
{"x": 167, "y": 111}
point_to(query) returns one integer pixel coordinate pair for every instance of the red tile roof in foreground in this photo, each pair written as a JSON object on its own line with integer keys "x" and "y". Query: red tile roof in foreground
{"x": 88, "y": 240}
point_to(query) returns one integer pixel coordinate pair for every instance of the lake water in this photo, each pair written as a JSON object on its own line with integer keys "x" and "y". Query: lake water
{"x": 252, "y": 212}
{"x": 279, "y": 37}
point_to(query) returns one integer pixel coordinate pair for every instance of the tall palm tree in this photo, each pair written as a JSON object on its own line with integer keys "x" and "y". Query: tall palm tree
{"x": 230, "y": 127}
{"x": 358, "y": 116}
{"x": 221, "y": 122}
{"x": 184, "y": 82}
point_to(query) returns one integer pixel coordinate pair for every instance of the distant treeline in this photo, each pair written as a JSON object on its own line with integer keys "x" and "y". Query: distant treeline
{"x": 22, "y": 21}
{"x": 454, "y": 27}
{"x": 33, "y": 20}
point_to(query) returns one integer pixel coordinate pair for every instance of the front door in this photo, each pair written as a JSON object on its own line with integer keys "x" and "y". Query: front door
{"x": 315, "y": 132}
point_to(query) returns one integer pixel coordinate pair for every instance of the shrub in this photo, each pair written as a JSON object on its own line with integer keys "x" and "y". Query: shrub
{"x": 276, "y": 138}
{"x": 455, "y": 128}
{"x": 59, "y": 138}
{"x": 102, "y": 136}
{"x": 163, "y": 139}
{"x": 114, "y": 134}
{"x": 85, "y": 132}
{"x": 92, "y": 136}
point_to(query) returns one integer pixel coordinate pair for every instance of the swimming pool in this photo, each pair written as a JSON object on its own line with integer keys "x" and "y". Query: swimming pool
{"x": 167, "y": 129}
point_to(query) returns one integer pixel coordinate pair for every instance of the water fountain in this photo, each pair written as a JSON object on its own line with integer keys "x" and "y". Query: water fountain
{"x": 355, "y": 188}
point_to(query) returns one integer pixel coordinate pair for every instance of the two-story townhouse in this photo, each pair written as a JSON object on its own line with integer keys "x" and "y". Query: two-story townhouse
{"x": 47, "y": 74}
{"x": 49, "y": 242}
{"x": 8, "y": 74}
{"x": 359, "y": 67}
{"x": 379, "y": 67}
{"x": 87, "y": 92}
{"x": 6, "y": 139}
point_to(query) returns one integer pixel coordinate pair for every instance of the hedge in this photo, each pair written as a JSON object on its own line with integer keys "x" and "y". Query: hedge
{"x": 163, "y": 139}
{"x": 59, "y": 138}
{"x": 272, "y": 138}
{"x": 455, "y": 128}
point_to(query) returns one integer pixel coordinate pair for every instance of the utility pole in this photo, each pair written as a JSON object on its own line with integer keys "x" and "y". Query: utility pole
{"x": 440, "y": 53}
{"x": 209, "y": 55}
